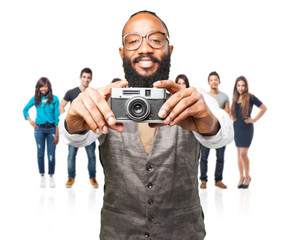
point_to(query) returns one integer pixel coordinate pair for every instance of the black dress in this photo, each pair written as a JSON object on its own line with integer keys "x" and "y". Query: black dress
{"x": 243, "y": 132}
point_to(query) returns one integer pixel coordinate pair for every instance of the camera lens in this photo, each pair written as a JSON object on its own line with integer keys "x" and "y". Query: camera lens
{"x": 137, "y": 108}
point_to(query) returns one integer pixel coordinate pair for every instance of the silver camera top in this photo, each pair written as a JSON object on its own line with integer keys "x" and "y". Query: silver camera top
{"x": 148, "y": 93}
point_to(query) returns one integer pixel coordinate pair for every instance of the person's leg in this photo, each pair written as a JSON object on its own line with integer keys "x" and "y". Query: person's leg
{"x": 240, "y": 166}
{"x": 51, "y": 149}
{"x": 219, "y": 164}
{"x": 245, "y": 160}
{"x": 40, "y": 142}
{"x": 204, "y": 163}
{"x": 90, "y": 150}
{"x": 71, "y": 160}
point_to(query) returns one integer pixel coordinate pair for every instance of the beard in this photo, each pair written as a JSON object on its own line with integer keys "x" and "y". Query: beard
{"x": 137, "y": 80}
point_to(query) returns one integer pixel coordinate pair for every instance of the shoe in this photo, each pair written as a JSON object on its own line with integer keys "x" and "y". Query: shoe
{"x": 43, "y": 182}
{"x": 93, "y": 182}
{"x": 246, "y": 186}
{"x": 220, "y": 184}
{"x": 240, "y": 185}
{"x": 203, "y": 185}
{"x": 70, "y": 182}
{"x": 52, "y": 182}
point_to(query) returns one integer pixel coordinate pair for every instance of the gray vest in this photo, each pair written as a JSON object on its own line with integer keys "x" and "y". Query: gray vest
{"x": 154, "y": 196}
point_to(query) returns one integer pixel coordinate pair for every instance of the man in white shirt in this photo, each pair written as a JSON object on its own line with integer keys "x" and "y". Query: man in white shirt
{"x": 151, "y": 185}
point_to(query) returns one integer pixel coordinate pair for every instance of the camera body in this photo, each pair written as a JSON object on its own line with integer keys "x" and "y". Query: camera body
{"x": 137, "y": 104}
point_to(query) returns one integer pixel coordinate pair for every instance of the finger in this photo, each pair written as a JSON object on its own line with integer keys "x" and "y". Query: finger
{"x": 105, "y": 91}
{"x": 182, "y": 110}
{"x": 155, "y": 125}
{"x": 168, "y": 106}
{"x": 79, "y": 113}
{"x": 118, "y": 127}
{"x": 169, "y": 85}
{"x": 100, "y": 110}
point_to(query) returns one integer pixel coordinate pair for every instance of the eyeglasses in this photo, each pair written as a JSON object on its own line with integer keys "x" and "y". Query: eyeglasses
{"x": 132, "y": 41}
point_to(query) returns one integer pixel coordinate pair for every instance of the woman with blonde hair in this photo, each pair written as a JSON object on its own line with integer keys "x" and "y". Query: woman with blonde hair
{"x": 241, "y": 108}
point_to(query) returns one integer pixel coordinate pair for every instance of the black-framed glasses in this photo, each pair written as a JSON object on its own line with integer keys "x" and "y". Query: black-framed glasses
{"x": 132, "y": 41}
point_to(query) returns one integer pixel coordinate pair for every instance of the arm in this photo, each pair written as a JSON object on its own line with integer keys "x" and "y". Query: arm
{"x": 63, "y": 105}
{"x": 56, "y": 138}
{"x": 57, "y": 114}
{"x": 227, "y": 109}
{"x": 260, "y": 114}
{"x": 26, "y": 115}
{"x": 32, "y": 123}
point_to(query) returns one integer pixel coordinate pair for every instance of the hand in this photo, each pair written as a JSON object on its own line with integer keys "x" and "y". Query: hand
{"x": 34, "y": 125}
{"x": 249, "y": 120}
{"x": 56, "y": 140}
{"x": 90, "y": 110}
{"x": 187, "y": 108}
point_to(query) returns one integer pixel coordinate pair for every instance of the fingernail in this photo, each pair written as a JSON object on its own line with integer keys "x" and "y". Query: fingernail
{"x": 162, "y": 113}
{"x": 167, "y": 120}
{"x": 97, "y": 131}
{"x": 104, "y": 129}
{"x": 111, "y": 121}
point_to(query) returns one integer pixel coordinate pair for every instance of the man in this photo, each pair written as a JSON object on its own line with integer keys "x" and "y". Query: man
{"x": 85, "y": 79}
{"x": 151, "y": 185}
{"x": 223, "y": 101}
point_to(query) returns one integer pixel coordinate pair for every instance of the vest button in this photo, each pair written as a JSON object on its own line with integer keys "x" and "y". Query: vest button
{"x": 151, "y": 219}
{"x": 150, "y": 201}
{"x": 146, "y": 235}
{"x": 150, "y": 185}
{"x": 149, "y": 168}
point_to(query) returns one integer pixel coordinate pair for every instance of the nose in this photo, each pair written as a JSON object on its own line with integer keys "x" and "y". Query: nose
{"x": 145, "y": 48}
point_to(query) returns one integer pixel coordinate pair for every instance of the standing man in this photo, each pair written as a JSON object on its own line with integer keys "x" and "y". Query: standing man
{"x": 151, "y": 185}
{"x": 223, "y": 101}
{"x": 85, "y": 79}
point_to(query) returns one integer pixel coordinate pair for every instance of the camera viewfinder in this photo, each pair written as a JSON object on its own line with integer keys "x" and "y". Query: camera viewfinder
{"x": 147, "y": 92}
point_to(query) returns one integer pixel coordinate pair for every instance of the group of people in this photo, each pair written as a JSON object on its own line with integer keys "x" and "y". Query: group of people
{"x": 150, "y": 170}
{"x": 240, "y": 113}
{"x": 48, "y": 110}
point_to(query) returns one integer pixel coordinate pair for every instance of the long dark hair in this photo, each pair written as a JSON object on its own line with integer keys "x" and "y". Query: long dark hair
{"x": 245, "y": 98}
{"x": 183, "y": 77}
{"x": 41, "y": 82}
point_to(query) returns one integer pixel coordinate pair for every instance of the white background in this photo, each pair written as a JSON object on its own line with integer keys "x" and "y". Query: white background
{"x": 57, "y": 39}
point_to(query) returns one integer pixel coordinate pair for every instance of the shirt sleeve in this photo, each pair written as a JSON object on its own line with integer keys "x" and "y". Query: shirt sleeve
{"x": 67, "y": 96}
{"x": 27, "y": 107}
{"x": 57, "y": 110}
{"x": 256, "y": 101}
{"x": 225, "y": 134}
{"x": 75, "y": 140}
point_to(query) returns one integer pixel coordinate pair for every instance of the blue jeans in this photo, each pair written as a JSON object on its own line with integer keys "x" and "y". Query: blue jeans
{"x": 219, "y": 163}
{"x": 42, "y": 135}
{"x": 90, "y": 150}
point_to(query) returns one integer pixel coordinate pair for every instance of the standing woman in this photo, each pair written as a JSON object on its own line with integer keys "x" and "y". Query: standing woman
{"x": 45, "y": 126}
{"x": 241, "y": 109}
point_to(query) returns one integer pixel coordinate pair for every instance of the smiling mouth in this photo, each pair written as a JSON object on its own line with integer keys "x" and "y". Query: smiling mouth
{"x": 146, "y": 61}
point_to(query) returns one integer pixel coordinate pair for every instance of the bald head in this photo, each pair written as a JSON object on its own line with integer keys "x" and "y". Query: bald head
{"x": 145, "y": 13}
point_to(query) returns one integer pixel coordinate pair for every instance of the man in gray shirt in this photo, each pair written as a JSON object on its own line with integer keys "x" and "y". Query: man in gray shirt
{"x": 223, "y": 101}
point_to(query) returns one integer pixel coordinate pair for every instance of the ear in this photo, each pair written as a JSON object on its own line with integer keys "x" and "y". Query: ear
{"x": 170, "y": 47}
{"x": 121, "y": 51}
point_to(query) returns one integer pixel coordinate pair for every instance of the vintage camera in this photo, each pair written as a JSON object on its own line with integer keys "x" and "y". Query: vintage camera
{"x": 137, "y": 104}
